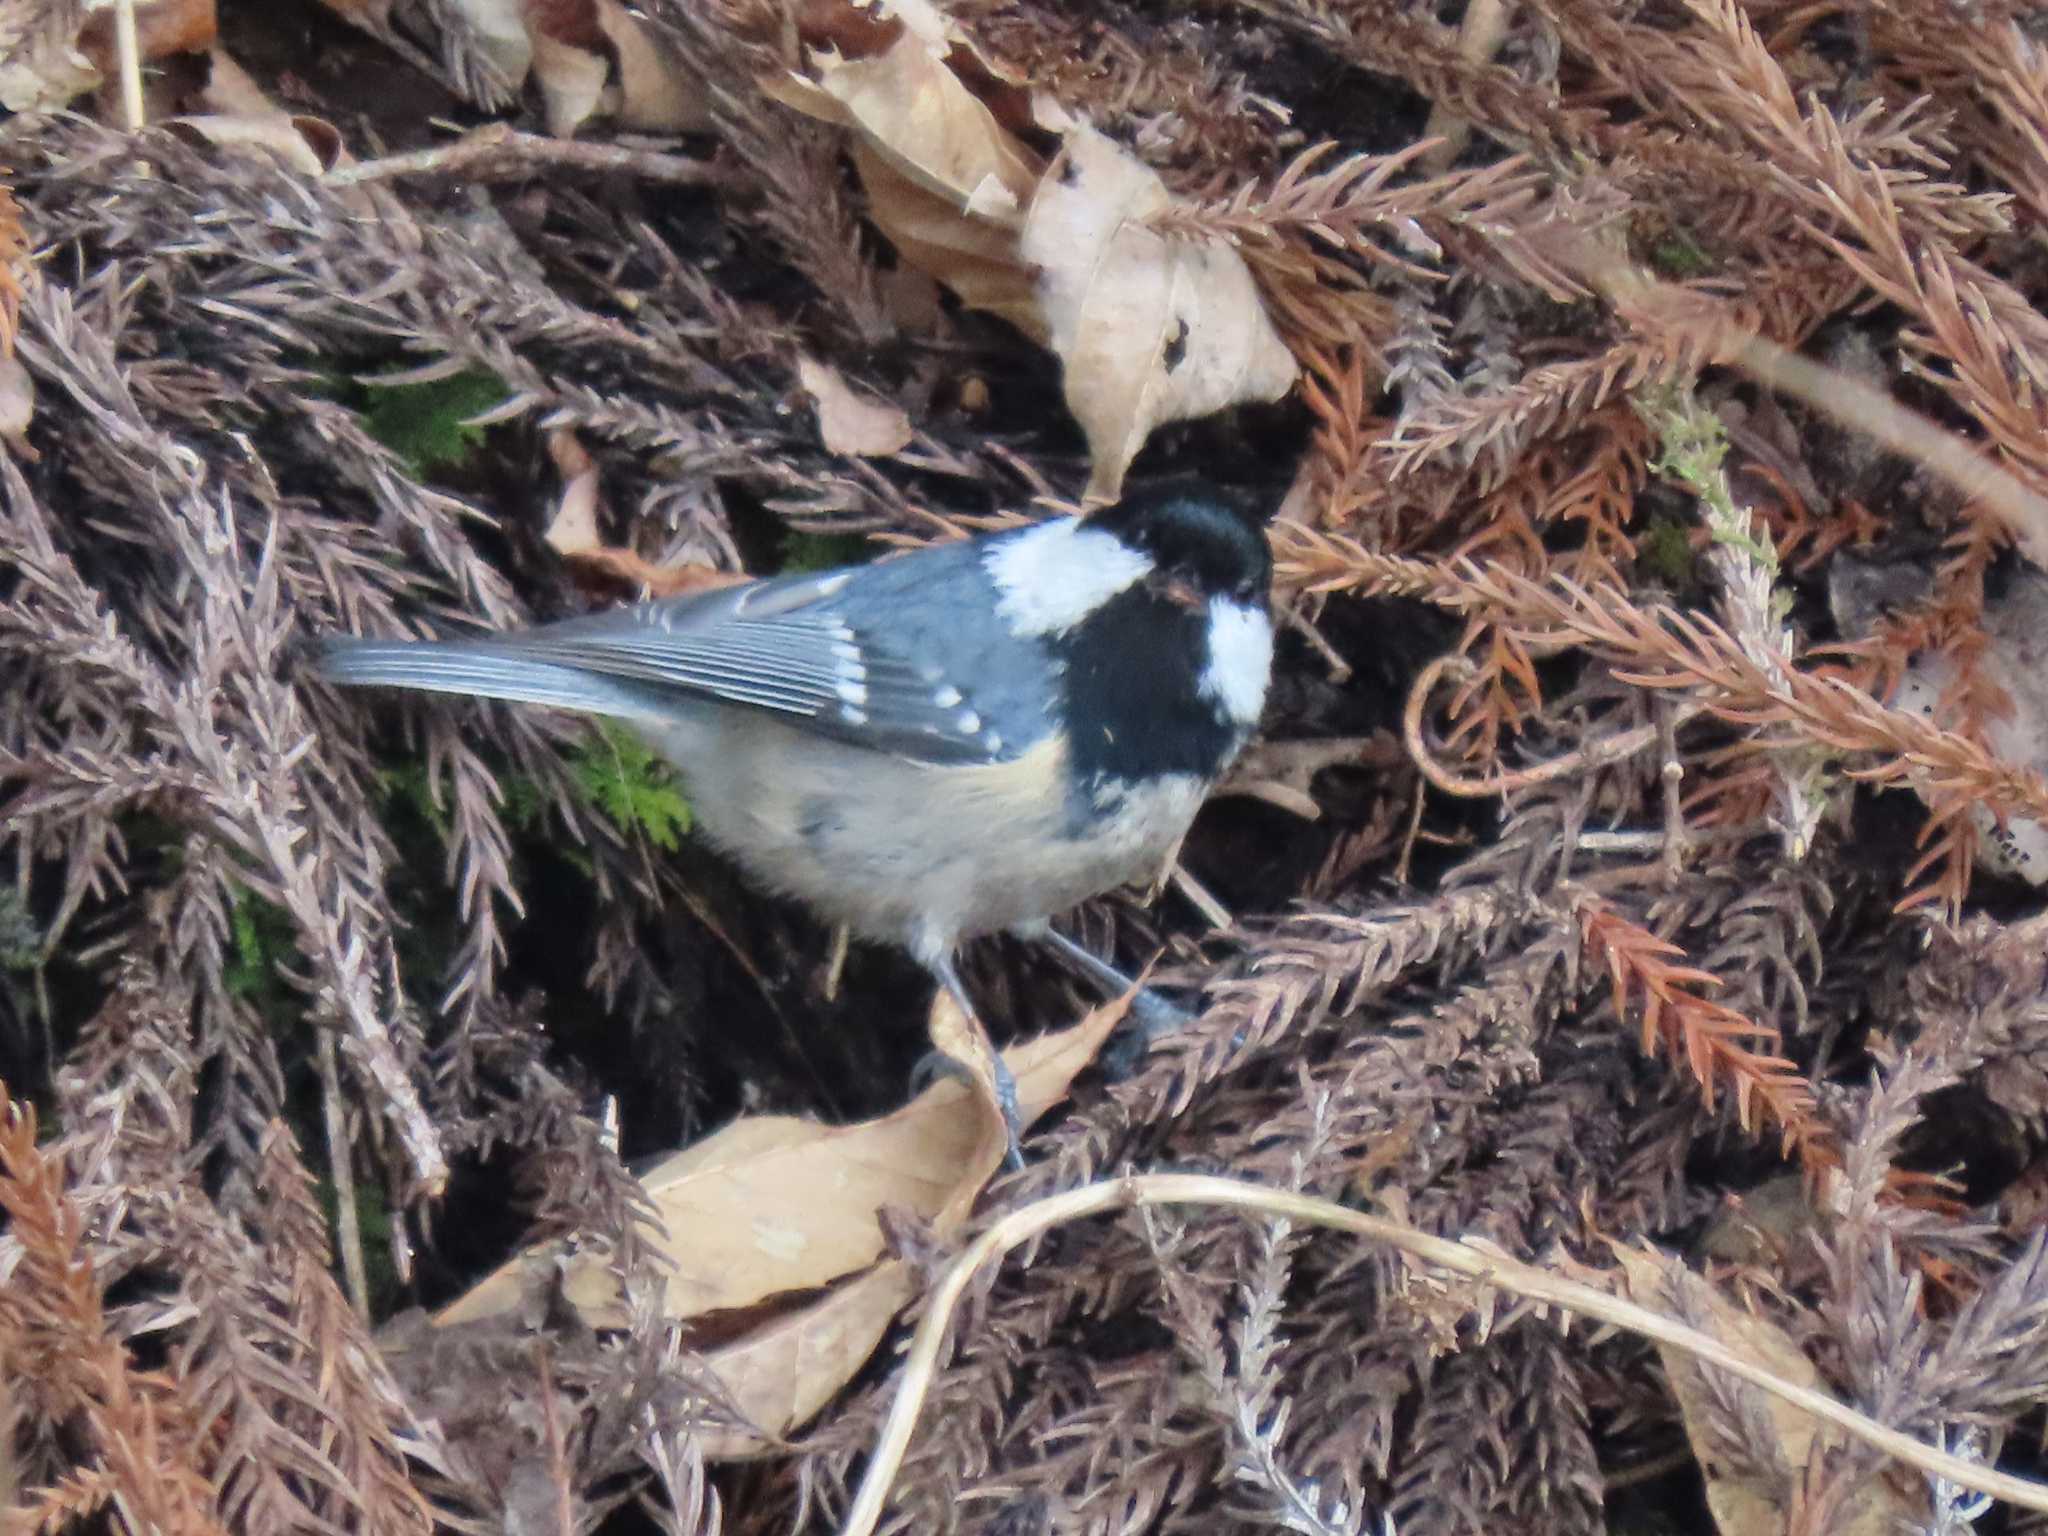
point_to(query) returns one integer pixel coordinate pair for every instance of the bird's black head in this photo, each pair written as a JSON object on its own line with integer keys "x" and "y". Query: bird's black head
{"x": 1197, "y": 535}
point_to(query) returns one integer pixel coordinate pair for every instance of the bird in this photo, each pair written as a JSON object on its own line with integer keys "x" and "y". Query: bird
{"x": 965, "y": 739}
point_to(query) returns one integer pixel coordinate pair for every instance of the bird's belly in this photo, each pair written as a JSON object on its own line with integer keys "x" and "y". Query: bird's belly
{"x": 916, "y": 855}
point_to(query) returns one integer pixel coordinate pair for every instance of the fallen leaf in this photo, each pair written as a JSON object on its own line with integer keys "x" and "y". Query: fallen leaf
{"x": 573, "y": 528}
{"x": 945, "y": 180}
{"x": 976, "y": 258}
{"x": 17, "y": 407}
{"x": 782, "y": 1374}
{"x": 962, "y": 1041}
{"x": 499, "y": 36}
{"x": 572, "y": 81}
{"x": 657, "y": 91}
{"x": 2014, "y": 660}
{"x": 911, "y": 298}
{"x": 162, "y": 28}
{"x": 1743, "y": 1502}
{"x": 1151, "y": 328}
{"x": 592, "y": 58}
{"x": 304, "y": 144}
{"x": 776, "y": 1203}
{"x": 573, "y": 533}
{"x": 51, "y": 54}
{"x": 848, "y": 420}
{"x": 921, "y": 120}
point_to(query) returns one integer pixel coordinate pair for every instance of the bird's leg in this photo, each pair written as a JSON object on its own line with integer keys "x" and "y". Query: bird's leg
{"x": 1152, "y": 1014}
{"x": 1005, "y": 1084}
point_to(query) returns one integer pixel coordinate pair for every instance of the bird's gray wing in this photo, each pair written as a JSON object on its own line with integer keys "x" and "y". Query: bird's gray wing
{"x": 906, "y": 656}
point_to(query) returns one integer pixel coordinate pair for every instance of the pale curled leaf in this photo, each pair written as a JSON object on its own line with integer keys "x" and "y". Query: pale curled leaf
{"x": 976, "y": 258}
{"x": 776, "y": 1203}
{"x": 780, "y": 1375}
{"x": 1744, "y": 1501}
{"x": 1151, "y": 328}
{"x": 591, "y": 58}
{"x": 574, "y": 535}
{"x": 52, "y": 54}
{"x": 850, "y": 421}
{"x": 920, "y": 118}
{"x": 17, "y": 401}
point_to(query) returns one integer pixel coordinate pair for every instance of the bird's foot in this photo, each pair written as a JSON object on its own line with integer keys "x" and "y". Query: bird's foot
{"x": 935, "y": 1065}
{"x": 1150, "y": 1015}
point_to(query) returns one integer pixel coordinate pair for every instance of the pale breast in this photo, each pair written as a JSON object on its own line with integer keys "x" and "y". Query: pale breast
{"x": 926, "y": 856}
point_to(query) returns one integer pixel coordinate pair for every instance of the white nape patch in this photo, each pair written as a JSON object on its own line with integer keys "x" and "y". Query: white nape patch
{"x": 1050, "y": 578}
{"x": 1240, "y": 659}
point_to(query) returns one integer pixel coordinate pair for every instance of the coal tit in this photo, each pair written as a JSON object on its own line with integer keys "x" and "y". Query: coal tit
{"x": 962, "y": 740}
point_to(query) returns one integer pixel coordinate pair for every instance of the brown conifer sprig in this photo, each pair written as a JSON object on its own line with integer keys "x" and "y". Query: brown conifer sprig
{"x": 1658, "y": 646}
{"x": 1721, "y": 1048}
{"x": 143, "y": 1467}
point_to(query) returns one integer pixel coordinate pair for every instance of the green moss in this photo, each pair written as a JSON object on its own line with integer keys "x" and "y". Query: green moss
{"x": 429, "y": 425}
{"x": 1664, "y": 551}
{"x": 1678, "y": 258}
{"x": 1695, "y": 450}
{"x": 405, "y": 787}
{"x": 21, "y": 944}
{"x": 824, "y": 551}
{"x": 373, "y": 1224}
{"x": 260, "y": 938}
{"x": 621, "y": 776}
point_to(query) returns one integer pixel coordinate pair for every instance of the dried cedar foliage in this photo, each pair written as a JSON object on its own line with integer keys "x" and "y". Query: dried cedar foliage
{"x": 1697, "y": 945}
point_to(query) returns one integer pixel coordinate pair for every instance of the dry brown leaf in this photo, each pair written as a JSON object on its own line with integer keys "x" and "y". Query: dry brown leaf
{"x": 976, "y": 258}
{"x": 657, "y": 91}
{"x": 48, "y": 56}
{"x": 17, "y": 406}
{"x": 1151, "y": 328}
{"x": 572, "y": 82}
{"x": 307, "y": 145}
{"x": 850, "y": 421}
{"x": 775, "y": 1203}
{"x": 573, "y": 528}
{"x": 779, "y": 1376}
{"x": 592, "y": 58}
{"x": 498, "y": 33}
{"x": 573, "y": 533}
{"x": 920, "y": 118}
{"x": 945, "y": 181}
{"x": 1743, "y": 1504}
{"x": 162, "y": 28}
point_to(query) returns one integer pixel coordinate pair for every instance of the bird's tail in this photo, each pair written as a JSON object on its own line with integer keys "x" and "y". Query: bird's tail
{"x": 483, "y": 670}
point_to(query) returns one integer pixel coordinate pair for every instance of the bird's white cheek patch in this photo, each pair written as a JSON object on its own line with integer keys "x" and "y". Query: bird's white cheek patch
{"x": 1240, "y": 659}
{"x": 1051, "y": 577}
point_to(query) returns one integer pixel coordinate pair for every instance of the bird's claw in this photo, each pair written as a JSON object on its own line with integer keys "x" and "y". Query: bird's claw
{"x": 1149, "y": 1016}
{"x": 934, "y": 1065}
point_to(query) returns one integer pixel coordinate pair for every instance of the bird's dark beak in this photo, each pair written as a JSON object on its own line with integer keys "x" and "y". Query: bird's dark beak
{"x": 1179, "y": 591}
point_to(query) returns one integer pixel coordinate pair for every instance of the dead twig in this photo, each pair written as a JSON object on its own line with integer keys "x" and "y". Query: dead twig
{"x": 1594, "y": 755}
{"x": 495, "y": 152}
{"x": 1471, "y": 1257}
